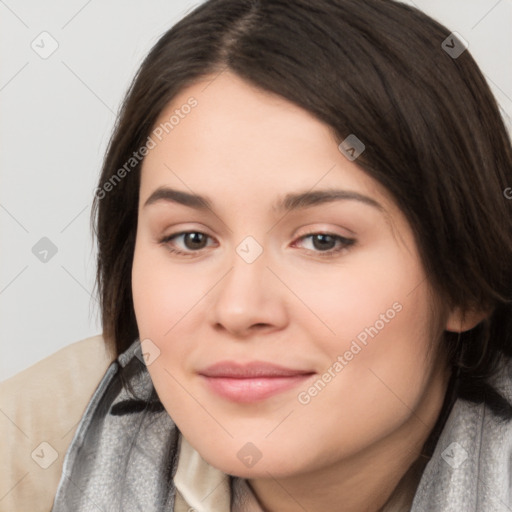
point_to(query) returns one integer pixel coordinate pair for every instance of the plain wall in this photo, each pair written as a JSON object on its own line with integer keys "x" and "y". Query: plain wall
{"x": 57, "y": 114}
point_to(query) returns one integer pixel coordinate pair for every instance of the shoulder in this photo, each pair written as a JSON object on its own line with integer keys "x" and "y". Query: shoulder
{"x": 40, "y": 408}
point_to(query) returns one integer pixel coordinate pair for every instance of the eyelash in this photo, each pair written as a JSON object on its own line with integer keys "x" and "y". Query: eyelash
{"x": 344, "y": 244}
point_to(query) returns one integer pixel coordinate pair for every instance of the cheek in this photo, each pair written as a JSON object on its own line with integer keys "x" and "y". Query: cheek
{"x": 376, "y": 334}
{"x": 377, "y": 372}
{"x": 162, "y": 299}
{"x": 361, "y": 298}
{"x": 162, "y": 294}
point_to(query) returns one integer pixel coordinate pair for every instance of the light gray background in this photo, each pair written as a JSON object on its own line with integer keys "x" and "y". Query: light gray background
{"x": 56, "y": 118}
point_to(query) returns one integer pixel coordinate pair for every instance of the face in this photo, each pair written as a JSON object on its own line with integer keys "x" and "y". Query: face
{"x": 278, "y": 288}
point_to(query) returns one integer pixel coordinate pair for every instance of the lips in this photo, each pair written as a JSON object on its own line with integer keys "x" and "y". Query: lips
{"x": 251, "y": 382}
{"x": 250, "y": 370}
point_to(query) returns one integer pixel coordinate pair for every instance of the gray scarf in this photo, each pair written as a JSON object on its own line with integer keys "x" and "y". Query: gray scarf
{"x": 124, "y": 453}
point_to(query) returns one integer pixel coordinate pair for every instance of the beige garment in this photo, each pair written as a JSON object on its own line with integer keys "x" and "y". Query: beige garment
{"x": 203, "y": 488}
{"x": 40, "y": 409}
{"x": 200, "y": 487}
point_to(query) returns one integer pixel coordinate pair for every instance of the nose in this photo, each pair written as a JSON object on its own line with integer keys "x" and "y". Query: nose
{"x": 249, "y": 300}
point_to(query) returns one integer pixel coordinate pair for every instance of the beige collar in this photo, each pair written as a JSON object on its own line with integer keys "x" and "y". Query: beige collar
{"x": 202, "y": 488}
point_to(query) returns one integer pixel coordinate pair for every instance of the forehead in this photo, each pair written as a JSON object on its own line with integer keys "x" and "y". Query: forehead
{"x": 237, "y": 135}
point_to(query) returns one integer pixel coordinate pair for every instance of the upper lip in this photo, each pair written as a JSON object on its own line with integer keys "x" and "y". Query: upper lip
{"x": 252, "y": 369}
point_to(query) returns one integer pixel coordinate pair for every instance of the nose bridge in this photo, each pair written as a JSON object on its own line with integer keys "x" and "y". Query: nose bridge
{"x": 248, "y": 268}
{"x": 246, "y": 295}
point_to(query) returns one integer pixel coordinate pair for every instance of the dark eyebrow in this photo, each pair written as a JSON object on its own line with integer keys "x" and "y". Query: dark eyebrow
{"x": 290, "y": 202}
{"x": 313, "y": 198}
{"x": 178, "y": 196}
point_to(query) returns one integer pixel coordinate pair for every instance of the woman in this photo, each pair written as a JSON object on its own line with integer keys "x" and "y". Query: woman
{"x": 305, "y": 268}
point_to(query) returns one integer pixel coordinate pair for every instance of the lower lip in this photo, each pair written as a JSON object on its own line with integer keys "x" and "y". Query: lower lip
{"x": 253, "y": 390}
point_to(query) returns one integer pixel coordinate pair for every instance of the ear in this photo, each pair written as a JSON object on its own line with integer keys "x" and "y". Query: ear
{"x": 460, "y": 321}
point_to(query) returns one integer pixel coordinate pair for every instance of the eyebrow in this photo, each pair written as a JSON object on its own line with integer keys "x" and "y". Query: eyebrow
{"x": 295, "y": 201}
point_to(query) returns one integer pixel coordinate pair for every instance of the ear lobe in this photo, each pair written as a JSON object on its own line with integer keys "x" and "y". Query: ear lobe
{"x": 460, "y": 321}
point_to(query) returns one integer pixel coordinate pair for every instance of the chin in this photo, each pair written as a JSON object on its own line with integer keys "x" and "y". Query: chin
{"x": 246, "y": 460}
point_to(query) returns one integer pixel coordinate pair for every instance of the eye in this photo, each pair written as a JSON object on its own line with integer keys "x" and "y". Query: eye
{"x": 186, "y": 243}
{"x": 325, "y": 244}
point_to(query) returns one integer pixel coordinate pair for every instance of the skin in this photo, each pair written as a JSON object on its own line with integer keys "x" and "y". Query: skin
{"x": 245, "y": 149}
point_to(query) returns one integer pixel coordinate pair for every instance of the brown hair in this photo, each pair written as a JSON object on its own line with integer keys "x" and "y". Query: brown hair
{"x": 375, "y": 68}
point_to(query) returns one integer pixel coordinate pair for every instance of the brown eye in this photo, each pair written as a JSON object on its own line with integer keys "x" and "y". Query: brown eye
{"x": 187, "y": 243}
{"x": 195, "y": 240}
{"x": 323, "y": 242}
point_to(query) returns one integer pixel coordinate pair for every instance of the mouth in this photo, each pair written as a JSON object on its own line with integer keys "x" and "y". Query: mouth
{"x": 251, "y": 382}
